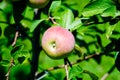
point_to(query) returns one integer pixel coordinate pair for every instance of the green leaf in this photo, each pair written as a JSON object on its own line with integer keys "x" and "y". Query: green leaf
{"x": 0, "y": 31}
{"x": 110, "y": 29}
{"x": 18, "y": 53}
{"x": 109, "y": 12}
{"x": 30, "y": 11}
{"x": 92, "y": 75}
{"x": 6, "y": 6}
{"x": 16, "y": 50}
{"x": 96, "y": 7}
{"x": 75, "y": 25}
{"x": 117, "y": 13}
{"x": 75, "y": 71}
{"x": 35, "y": 23}
{"x": 54, "y": 6}
{"x": 83, "y": 29}
{"x": 4, "y": 63}
{"x": 20, "y": 72}
{"x": 21, "y": 56}
{"x": 67, "y": 18}
{"x": 24, "y": 53}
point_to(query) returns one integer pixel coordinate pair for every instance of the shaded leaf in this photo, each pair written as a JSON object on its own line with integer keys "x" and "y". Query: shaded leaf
{"x": 75, "y": 71}
{"x": 98, "y": 59}
{"x": 92, "y": 75}
{"x": 4, "y": 63}
{"x": 110, "y": 46}
{"x": 35, "y": 23}
{"x": 16, "y": 50}
{"x": 99, "y": 41}
{"x": 117, "y": 61}
{"x": 117, "y": 45}
{"x": 18, "y": 8}
{"x": 21, "y": 59}
{"x": 22, "y": 56}
{"x": 19, "y": 54}
{"x": 20, "y": 72}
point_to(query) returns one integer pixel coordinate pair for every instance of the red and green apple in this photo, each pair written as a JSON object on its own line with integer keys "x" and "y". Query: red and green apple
{"x": 38, "y": 3}
{"x": 58, "y": 42}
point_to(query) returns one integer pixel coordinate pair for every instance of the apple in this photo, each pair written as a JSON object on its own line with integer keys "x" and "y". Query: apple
{"x": 58, "y": 42}
{"x": 38, "y": 3}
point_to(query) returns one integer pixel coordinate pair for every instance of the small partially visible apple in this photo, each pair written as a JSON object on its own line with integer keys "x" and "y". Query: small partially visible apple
{"x": 37, "y": 3}
{"x": 58, "y": 42}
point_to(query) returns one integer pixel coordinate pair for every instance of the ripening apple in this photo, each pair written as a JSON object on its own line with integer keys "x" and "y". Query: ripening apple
{"x": 58, "y": 42}
{"x": 38, "y": 3}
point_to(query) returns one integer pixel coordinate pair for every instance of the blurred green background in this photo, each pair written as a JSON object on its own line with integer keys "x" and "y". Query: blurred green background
{"x": 94, "y": 23}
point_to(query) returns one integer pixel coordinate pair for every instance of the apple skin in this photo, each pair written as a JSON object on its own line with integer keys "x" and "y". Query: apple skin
{"x": 38, "y": 3}
{"x": 58, "y": 42}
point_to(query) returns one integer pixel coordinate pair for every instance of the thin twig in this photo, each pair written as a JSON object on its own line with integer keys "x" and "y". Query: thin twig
{"x": 15, "y": 39}
{"x": 12, "y": 60}
{"x": 67, "y": 65}
{"x": 66, "y": 68}
{"x": 8, "y": 73}
{"x": 73, "y": 63}
{"x": 53, "y": 20}
{"x": 85, "y": 58}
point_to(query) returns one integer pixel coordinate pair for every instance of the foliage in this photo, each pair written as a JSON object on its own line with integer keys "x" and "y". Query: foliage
{"x": 96, "y": 28}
